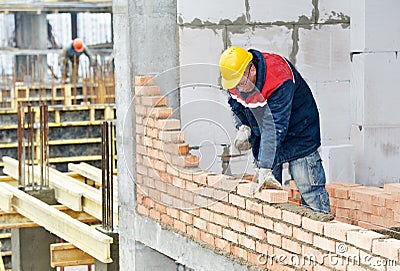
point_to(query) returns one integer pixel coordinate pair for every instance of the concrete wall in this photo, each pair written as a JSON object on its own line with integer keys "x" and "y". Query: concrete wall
{"x": 314, "y": 35}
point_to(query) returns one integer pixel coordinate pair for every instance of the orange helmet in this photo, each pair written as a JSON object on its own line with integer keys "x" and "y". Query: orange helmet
{"x": 77, "y": 44}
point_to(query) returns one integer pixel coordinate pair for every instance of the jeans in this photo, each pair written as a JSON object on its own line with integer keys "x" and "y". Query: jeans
{"x": 309, "y": 176}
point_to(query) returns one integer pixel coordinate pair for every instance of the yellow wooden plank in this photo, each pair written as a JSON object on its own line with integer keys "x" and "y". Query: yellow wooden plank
{"x": 66, "y": 254}
{"x": 81, "y": 235}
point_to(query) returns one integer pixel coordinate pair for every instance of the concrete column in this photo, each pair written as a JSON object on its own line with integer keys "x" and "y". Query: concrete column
{"x": 31, "y": 249}
{"x": 31, "y": 33}
{"x": 114, "y": 266}
{"x": 150, "y": 259}
{"x": 145, "y": 42}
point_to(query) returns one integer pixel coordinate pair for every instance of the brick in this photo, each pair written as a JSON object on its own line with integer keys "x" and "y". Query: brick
{"x": 200, "y": 177}
{"x": 142, "y": 210}
{"x": 324, "y": 243}
{"x": 214, "y": 229}
{"x": 291, "y": 245}
{"x": 166, "y": 219}
{"x": 179, "y": 225}
{"x": 222, "y": 245}
{"x": 273, "y": 238}
{"x": 220, "y": 220}
{"x": 272, "y": 196}
{"x": 141, "y": 90}
{"x": 185, "y": 217}
{"x": 388, "y": 248}
{"x": 247, "y": 242}
{"x": 246, "y": 216}
{"x": 254, "y": 206}
{"x": 256, "y": 232}
{"x": 363, "y": 238}
{"x": 168, "y": 124}
{"x": 172, "y": 136}
{"x": 263, "y": 222}
{"x": 193, "y": 232}
{"x": 303, "y": 236}
{"x": 230, "y": 235}
{"x": 283, "y": 228}
{"x": 239, "y": 252}
{"x": 144, "y": 80}
{"x": 200, "y": 223}
{"x": 207, "y": 238}
{"x": 160, "y": 112}
{"x": 291, "y": 217}
{"x": 237, "y": 200}
{"x": 224, "y": 209}
{"x": 236, "y": 225}
{"x": 244, "y": 190}
{"x": 364, "y": 193}
{"x": 271, "y": 211}
{"x": 338, "y": 230}
{"x": 153, "y": 101}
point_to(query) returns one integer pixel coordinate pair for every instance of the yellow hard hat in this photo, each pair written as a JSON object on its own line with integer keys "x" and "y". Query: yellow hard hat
{"x": 232, "y": 64}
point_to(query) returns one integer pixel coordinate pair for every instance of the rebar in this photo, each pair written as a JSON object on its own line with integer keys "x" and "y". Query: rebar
{"x": 107, "y": 175}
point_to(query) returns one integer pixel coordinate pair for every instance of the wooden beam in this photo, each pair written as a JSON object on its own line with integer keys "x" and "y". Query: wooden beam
{"x": 66, "y": 254}
{"x": 81, "y": 235}
{"x": 5, "y": 201}
{"x": 15, "y": 220}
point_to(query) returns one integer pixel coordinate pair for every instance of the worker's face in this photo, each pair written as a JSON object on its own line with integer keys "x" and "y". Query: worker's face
{"x": 246, "y": 83}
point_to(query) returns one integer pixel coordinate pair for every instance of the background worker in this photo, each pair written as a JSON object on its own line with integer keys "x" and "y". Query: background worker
{"x": 276, "y": 115}
{"x": 71, "y": 54}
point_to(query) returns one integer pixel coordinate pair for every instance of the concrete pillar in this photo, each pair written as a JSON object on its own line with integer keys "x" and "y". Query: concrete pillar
{"x": 31, "y": 33}
{"x": 375, "y": 65}
{"x": 137, "y": 53}
{"x": 114, "y": 266}
{"x": 150, "y": 259}
{"x": 31, "y": 249}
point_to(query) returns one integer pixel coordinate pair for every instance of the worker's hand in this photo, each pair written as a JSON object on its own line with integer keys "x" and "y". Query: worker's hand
{"x": 265, "y": 180}
{"x": 242, "y": 138}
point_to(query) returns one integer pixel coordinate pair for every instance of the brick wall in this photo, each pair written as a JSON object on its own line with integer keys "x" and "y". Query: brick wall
{"x": 217, "y": 211}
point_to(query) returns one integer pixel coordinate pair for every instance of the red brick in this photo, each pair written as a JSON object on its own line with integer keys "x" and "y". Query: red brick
{"x": 185, "y": 217}
{"x": 291, "y": 245}
{"x": 144, "y": 80}
{"x": 303, "y": 236}
{"x": 207, "y": 238}
{"x": 283, "y": 228}
{"x": 338, "y": 230}
{"x": 193, "y": 232}
{"x": 143, "y": 210}
{"x": 291, "y": 218}
{"x": 246, "y": 216}
{"x": 274, "y": 239}
{"x": 263, "y": 222}
{"x": 222, "y": 208}
{"x": 167, "y": 220}
{"x": 222, "y": 245}
{"x": 179, "y": 225}
{"x": 364, "y": 193}
{"x": 185, "y": 160}
{"x": 324, "y": 243}
{"x": 200, "y": 177}
{"x": 272, "y": 196}
{"x": 239, "y": 252}
{"x": 173, "y": 212}
{"x": 244, "y": 190}
{"x": 236, "y": 225}
{"x": 254, "y": 259}
{"x": 168, "y": 124}
{"x": 220, "y": 220}
{"x": 230, "y": 235}
{"x": 363, "y": 238}
{"x": 264, "y": 248}
{"x": 256, "y": 232}
{"x": 153, "y": 101}
{"x": 254, "y": 206}
{"x": 247, "y": 242}
{"x": 200, "y": 223}
{"x": 214, "y": 229}
{"x": 388, "y": 248}
{"x": 271, "y": 211}
{"x": 147, "y": 90}
{"x": 172, "y": 136}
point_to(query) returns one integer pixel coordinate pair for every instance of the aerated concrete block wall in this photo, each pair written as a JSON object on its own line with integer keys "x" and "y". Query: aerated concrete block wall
{"x": 179, "y": 204}
{"x": 314, "y": 35}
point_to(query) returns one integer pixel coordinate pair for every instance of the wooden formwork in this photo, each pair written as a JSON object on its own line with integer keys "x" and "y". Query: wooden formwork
{"x": 74, "y": 133}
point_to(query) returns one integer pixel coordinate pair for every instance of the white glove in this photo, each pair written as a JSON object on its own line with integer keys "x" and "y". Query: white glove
{"x": 242, "y": 138}
{"x": 265, "y": 179}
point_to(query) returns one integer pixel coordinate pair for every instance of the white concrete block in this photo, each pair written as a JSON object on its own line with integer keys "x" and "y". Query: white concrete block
{"x": 323, "y": 53}
{"x": 375, "y": 25}
{"x": 266, "y": 11}
{"x": 377, "y": 154}
{"x": 275, "y": 39}
{"x": 209, "y": 11}
{"x": 333, "y": 101}
{"x": 375, "y": 86}
{"x": 338, "y": 162}
{"x": 337, "y": 11}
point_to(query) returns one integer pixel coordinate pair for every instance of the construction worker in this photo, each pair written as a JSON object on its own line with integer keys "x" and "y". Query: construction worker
{"x": 71, "y": 54}
{"x": 276, "y": 115}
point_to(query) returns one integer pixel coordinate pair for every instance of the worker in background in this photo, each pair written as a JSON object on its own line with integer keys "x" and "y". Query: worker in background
{"x": 71, "y": 54}
{"x": 276, "y": 115}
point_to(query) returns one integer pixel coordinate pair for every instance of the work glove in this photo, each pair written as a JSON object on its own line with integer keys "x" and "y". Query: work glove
{"x": 242, "y": 138}
{"x": 265, "y": 180}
